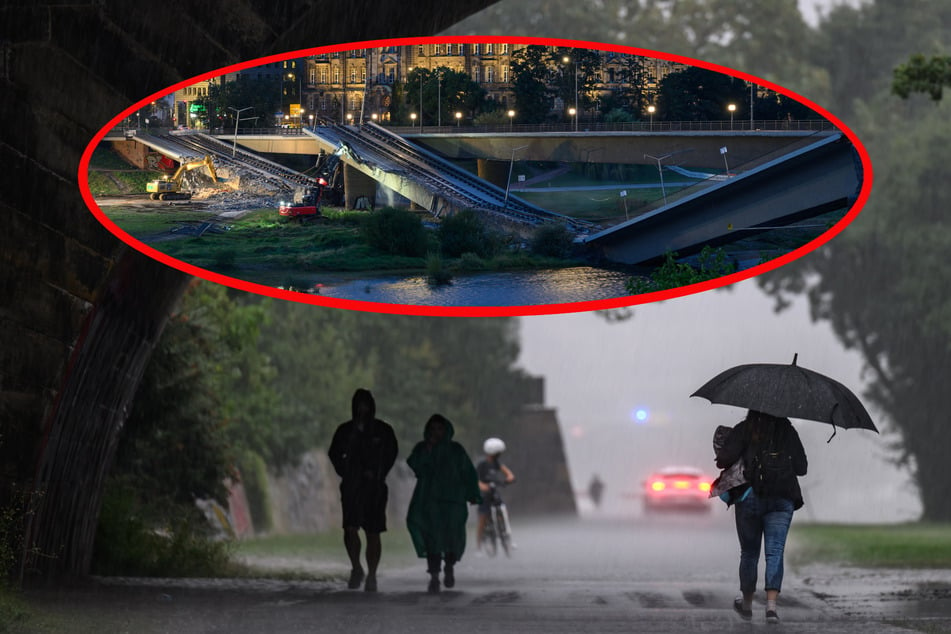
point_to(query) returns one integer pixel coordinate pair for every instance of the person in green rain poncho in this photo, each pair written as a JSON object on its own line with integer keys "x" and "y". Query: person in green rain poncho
{"x": 445, "y": 481}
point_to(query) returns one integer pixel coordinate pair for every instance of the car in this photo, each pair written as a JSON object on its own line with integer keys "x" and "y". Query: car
{"x": 677, "y": 488}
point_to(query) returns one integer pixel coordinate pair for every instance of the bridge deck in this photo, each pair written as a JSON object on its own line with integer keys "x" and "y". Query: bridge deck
{"x": 821, "y": 177}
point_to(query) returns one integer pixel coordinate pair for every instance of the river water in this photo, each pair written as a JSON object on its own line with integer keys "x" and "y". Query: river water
{"x": 509, "y": 288}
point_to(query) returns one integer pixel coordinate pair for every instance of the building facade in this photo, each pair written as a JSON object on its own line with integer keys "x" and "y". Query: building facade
{"x": 350, "y": 85}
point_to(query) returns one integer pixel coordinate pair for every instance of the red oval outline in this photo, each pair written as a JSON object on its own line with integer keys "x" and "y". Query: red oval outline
{"x": 478, "y": 311}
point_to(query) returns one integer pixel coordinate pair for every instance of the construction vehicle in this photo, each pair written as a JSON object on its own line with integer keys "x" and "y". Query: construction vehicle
{"x": 306, "y": 203}
{"x": 170, "y": 187}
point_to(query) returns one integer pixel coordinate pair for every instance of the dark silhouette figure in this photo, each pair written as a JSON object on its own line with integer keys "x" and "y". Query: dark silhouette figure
{"x": 363, "y": 451}
{"x": 445, "y": 481}
{"x": 596, "y": 490}
{"x": 773, "y": 457}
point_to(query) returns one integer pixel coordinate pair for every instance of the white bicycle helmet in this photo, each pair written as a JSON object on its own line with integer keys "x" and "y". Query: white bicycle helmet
{"x": 493, "y": 446}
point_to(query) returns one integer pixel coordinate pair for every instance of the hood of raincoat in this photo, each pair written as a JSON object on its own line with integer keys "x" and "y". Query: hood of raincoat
{"x": 362, "y": 396}
{"x": 438, "y": 418}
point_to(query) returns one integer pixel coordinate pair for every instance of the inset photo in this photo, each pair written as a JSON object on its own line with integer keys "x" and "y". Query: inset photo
{"x": 475, "y": 176}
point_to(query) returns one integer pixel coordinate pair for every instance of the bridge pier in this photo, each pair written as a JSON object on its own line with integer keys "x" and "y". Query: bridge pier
{"x": 356, "y": 184}
{"x": 494, "y": 171}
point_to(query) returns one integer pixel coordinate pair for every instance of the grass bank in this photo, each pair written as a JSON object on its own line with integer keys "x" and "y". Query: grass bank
{"x": 110, "y": 175}
{"x": 888, "y": 546}
{"x": 261, "y": 241}
{"x": 397, "y": 547}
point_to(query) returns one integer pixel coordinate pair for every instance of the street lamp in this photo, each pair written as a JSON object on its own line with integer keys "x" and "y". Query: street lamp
{"x": 412, "y": 116}
{"x": 567, "y": 59}
{"x": 663, "y": 190}
{"x": 751, "y": 106}
{"x": 349, "y": 118}
{"x": 650, "y": 110}
{"x": 458, "y": 118}
{"x": 505, "y": 204}
{"x": 374, "y": 116}
{"x": 419, "y": 71}
{"x": 573, "y": 112}
{"x": 511, "y": 114}
{"x": 438, "y": 97}
{"x": 310, "y": 117}
{"x": 237, "y": 118}
{"x": 732, "y": 109}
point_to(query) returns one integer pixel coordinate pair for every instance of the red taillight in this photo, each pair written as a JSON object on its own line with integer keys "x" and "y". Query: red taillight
{"x": 658, "y": 485}
{"x": 704, "y": 486}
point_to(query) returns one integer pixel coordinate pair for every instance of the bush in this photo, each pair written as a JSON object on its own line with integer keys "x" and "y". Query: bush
{"x": 713, "y": 263}
{"x": 436, "y": 272}
{"x": 395, "y": 231}
{"x": 254, "y": 478}
{"x": 466, "y": 232}
{"x": 552, "y": 240}
{"x": 471, "y": 262}
{"x": 129, "y": 544}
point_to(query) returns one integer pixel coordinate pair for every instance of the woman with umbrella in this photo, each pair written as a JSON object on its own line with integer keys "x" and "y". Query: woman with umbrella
{"x": 773, "y": 457}
{"x": 445, "y": 481}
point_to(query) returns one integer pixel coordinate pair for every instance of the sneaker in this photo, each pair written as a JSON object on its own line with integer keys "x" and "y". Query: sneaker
{"x": 739, "y": 609}
{"x": 449, "y": 577}
{"x": 370, "y": 585}
{"x": 433, "y": 584}
{"x": 772, "y": 616}
{"x": 356, "y": 578}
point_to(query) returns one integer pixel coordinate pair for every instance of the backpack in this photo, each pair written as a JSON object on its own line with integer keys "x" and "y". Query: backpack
{"x": 771, "y": 470}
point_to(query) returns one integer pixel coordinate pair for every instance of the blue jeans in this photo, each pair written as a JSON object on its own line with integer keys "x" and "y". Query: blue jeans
{"x": 762, "y": 520}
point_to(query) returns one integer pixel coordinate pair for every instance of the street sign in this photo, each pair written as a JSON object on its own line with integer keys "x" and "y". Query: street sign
{"x": 623, "y": 193}
{"x": 521, "y": 178}
{"x": 723, "y": 150}
{"x": 295, "y": 109}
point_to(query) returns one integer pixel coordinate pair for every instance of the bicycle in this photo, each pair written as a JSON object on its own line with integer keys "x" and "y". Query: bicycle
{"x": 497, "y": 526}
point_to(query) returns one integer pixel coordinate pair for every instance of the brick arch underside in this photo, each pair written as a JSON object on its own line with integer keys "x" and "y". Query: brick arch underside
{"x": 79, "y": 311}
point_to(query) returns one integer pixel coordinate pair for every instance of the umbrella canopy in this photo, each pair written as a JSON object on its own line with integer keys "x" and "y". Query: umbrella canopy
{"x": 788, "y": 391}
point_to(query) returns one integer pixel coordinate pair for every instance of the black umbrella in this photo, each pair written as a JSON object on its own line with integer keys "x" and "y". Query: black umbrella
{"x": 788, "y": 391}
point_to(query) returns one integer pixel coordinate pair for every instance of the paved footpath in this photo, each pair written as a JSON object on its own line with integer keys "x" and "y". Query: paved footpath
{"x": 665, "y": 575}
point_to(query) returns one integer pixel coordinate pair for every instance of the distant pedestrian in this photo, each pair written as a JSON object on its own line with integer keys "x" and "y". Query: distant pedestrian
{"x": 596, "y": 490}
{"x": 363, "y": 451}
{"x": 773, "y": 457}
{"x": 445, "y": 481}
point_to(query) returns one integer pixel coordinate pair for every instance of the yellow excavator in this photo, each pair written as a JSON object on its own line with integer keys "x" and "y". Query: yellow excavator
{"x": 170, "y": 187}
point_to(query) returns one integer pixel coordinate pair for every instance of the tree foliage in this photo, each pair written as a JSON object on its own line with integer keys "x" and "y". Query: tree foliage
{"x": 444, "y": 92}
{"x": 415, "y": 366}
{"x": 698, "y": 94}
{"x": 921, "y": 74}
{"x": 529, "y": 67}
{"x": 223, "y": 100}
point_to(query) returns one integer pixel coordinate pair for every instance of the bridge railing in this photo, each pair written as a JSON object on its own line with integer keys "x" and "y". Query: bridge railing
{"x": 806, "y": 125}
{"x": 795, "y": 125}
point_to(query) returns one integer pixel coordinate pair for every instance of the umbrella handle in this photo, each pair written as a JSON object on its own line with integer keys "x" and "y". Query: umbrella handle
{"x": 832, "y": 436}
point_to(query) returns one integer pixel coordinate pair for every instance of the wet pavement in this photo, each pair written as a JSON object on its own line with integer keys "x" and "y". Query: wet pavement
{"x": 658, "y": 574}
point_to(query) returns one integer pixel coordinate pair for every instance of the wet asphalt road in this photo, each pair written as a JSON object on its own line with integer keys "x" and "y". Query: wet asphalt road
{"x": 658, "y": 574}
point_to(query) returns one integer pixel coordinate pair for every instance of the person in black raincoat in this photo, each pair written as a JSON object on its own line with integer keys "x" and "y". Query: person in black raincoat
{"x": 445, "y": 481}
{"x": 773, "y": 458}
{"x": 363, "y": 451}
